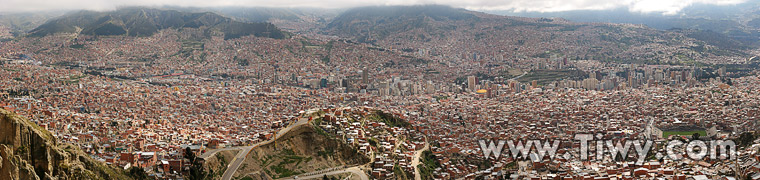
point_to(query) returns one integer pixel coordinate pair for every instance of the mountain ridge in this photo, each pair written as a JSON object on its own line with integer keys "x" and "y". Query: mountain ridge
{"x": 408, "y": 27}
{"x": 394, "y": 19}
{"x": 139, "y": 22}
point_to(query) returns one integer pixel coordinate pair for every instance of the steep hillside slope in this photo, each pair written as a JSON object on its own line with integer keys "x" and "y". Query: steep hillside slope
{"x": 303, "y": 149}
{"x": 461, "y": 34}
{"x": 146, "y": 21}
{"x": 30, "y": 152}
{"x": 217, "y": 164}
{"x": 369, "y": 24}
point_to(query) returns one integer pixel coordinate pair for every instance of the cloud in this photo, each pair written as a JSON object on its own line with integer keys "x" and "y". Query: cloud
{"x": 646, "y": 6}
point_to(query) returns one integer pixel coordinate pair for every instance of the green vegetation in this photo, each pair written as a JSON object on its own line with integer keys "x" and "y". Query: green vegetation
{"x": 375, "y": 48}
{"x": 716, "y": 39}
{"x": 322, "y": 132}
{"x": 400, "y": 173}
{"x": 108, "y": 29}
{"x": 137, "y": 173}
{"x": 241, "y": 61}
{"x": 326, "y": 153}
{"x": 428, "y": 165}
{"x": 21, "y": 150}
{"x": 196, "y": 171}
{"x": 546, "y": 76}
{"x": 316, "y": 121}
{"x": 287, "y": 158}
{"x": 390, "y": 119}
{"x": 440, "y": 97}
{"x": 79, "y": 165}
{"x": 325, "y": 59}
{"x": 188, "y": 47}
{"x": 665, "y": 134}
{"x": 391, "y": 20}
{"x": 431, "y": 71}
{"x": 222, "y": 160}
{"x": 147, "y": 21}
{"x": 77, "y": 46}
{"x": 281, "y": 171}
{"x": 373, "y": 141}
{"x": 746, "y": 139}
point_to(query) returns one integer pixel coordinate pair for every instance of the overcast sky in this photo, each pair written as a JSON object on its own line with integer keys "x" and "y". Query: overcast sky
{"x": 645, "y": 6}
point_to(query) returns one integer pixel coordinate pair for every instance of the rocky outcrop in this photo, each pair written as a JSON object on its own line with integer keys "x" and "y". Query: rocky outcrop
{"x": 28, "y": 151}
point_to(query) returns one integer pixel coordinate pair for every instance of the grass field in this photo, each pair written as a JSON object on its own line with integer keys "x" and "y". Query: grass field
{"x": 544, "y": 77}
{"x": 683, "y": 133}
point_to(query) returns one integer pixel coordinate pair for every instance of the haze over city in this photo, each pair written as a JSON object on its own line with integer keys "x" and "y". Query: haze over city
{"x": 643, "y": 6}
{"x": 358, "y": 90}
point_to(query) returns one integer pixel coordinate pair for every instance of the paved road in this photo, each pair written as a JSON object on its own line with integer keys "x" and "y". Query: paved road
{"x": 354, "y": 170}
{"x": 521, "y": 75}
{"x": 212, "y": 152}
{"x": 240, "y": 157}
{"x": 416, "y": 161}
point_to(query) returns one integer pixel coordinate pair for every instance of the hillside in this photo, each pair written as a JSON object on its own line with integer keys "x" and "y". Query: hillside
{"x": 303, "y": 149}
{"x": 368, "y": 24}
{"x": 738, "y": 22}
{"x": 296, "y": 20}
{"x": 30, "y": 152}
{"x": 444, "y": 29}
{"x": 19, "y": 23}
{"x": 217, "y": 164}
{"x": 146, "y": 21}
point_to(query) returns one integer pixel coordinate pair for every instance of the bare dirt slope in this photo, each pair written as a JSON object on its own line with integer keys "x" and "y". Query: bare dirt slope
{"x": 303, "y": 149}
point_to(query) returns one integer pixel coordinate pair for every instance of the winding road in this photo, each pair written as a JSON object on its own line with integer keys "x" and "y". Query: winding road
{"x": 214, "y": 151}
{"x": 363, "y": 176}
{"x": 240, "y": 157}
{"x": 355, "y": 170}
{"x": 521, "y": 75}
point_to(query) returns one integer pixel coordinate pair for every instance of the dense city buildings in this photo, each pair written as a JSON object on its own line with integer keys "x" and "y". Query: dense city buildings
{"x": 414, "y": 107}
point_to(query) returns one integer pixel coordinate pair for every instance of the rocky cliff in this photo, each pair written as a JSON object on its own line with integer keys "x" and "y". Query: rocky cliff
{"x": 28, "y": 151}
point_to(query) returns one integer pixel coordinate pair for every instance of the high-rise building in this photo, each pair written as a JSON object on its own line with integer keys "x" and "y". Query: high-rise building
{"x": 590, "y": 83}
{"x": 365, "y": 76}
{"x": 471, "y": 83}
{"x": 631, "y": 82}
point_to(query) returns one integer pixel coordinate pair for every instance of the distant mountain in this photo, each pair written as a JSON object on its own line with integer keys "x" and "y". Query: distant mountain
{"x": 368, "y": 24}
{"x": 147, "y": 21}
{"x": 441, "y": 30}
{"x": 260, "y": 14}
{"x": 740, "y": 22}
{"x": 20, "y": 23}
{"x": 297, "y": 20}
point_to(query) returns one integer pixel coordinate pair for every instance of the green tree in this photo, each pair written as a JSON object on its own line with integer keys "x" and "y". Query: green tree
{"x": 137, "y": 173}
{"x": 196, "y": 168}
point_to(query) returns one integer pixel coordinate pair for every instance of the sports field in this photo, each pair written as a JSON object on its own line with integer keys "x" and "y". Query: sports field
{"x": 683, "y": 133}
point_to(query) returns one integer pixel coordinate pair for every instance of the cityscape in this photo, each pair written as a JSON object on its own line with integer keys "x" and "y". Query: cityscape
{"x": 379, "y": 91}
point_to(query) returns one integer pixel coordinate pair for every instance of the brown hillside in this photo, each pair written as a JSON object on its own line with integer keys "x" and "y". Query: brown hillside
{"x": 303, "y": 149}
{"x": 30, "y": 152}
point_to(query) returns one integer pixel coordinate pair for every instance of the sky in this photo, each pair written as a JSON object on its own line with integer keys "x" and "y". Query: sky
{"x": 643, "y": 6}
